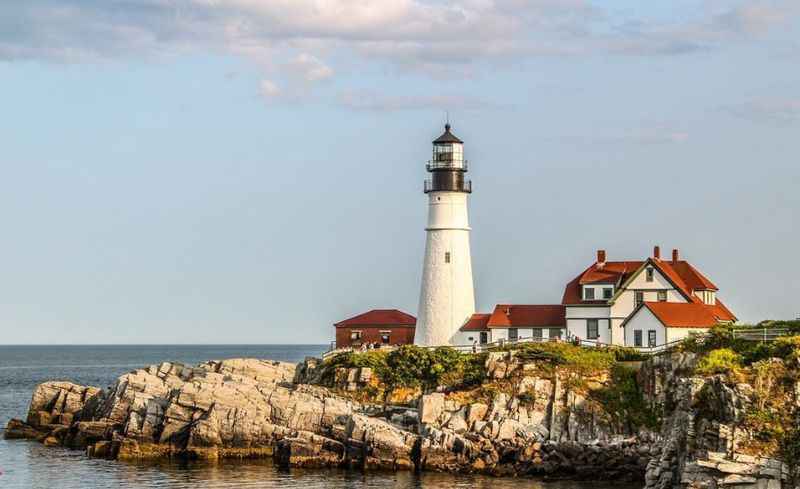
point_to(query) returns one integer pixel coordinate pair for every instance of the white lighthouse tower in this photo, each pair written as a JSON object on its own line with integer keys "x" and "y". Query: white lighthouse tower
{"x": 447, "y": 299}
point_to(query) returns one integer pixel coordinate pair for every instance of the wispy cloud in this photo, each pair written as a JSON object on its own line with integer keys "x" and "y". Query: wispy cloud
{"x": 297, "y": 40}
{"x": 779, "y": 112}
{"x": 372, "y": 101}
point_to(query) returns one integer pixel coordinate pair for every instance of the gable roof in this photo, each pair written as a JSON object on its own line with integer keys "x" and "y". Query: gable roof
{"x": 681, "y": 274}
{"x": 527, "y": 316}
{"x": 684, "y": 314}
{"x": 380, "y": 317}
{"x": 477, "y": 322}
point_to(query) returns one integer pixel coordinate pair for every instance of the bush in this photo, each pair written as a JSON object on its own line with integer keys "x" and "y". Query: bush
{"x": 623, "y": 399}
{"x": 787, "y": 348}
{"x": 628, "y": 354}
{"x": 719, "y": 361}
{"x": 579, "y": 358}
{"x": 412, "y": 366}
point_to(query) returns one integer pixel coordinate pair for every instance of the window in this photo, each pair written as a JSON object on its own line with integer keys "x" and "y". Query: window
{"x": 608, "y": 292}
{"x": 554, "y": 333}
{"x": 537, "y": 334}
{"x": 447, "y": 257}
{"x": 638, "y": 298}
{"x": 651, "y": 338}
{"x": 513, "y": 334}
{"x": 355, "y": 335}
{"x": 662, "y": 296}
{"x": 385, "y": 335}
{"x": 637, "y": 337}
{"x": 484, "y": 337}
{"x": 588, "y": 293}
{"x": 649, "y": 274}
{"x": 592, "y": 330}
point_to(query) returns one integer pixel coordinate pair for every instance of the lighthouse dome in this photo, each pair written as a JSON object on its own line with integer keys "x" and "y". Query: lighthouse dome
{"x": 447, "y": 137}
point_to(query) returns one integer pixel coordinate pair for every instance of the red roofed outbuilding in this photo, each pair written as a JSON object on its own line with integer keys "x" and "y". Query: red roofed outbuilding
{"x": 378, "y": 326}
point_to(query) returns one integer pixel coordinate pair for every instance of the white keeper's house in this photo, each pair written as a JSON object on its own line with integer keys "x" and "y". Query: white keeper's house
{"x": 633, "y": 303}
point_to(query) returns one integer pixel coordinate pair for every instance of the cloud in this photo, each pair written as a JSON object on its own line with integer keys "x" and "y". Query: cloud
{"x": 779, "y": 112}
{"x": 372, "y": 101}
{"x": 309, "y": 68}
{"x": 294, "y": 41}
{"x": 269, "y": 89}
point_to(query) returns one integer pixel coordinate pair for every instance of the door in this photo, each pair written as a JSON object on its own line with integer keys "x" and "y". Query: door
{"x": 484, "y": 337}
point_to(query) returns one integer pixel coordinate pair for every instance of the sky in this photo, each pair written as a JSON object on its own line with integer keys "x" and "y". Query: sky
{"x": 245, "y": 171}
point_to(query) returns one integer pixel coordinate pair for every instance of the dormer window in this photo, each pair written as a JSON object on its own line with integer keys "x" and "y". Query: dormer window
{"x": 588, "y": 293}
{"x": 649, "y": 275}
{"x": 608, "y": 292}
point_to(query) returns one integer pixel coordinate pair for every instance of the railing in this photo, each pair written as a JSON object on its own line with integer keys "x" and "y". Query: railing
{"x": 466, "y": 186}
{"x": 446, "y": 165}
{"x": 749, "y": 334}
{"x": 759, "y": 334}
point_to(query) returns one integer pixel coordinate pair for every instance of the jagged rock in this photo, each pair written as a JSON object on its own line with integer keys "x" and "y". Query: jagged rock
{"x": 431, "y": 408}
{"x": 19, "y": 430}
{"x": 252, "y": 408}
{"x": 476, "y": 412}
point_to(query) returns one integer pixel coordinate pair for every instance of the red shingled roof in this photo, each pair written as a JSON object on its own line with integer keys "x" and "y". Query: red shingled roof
{"x": 685, "y": 315}
{"x": 380, "y": 317}
{"x": 722, "y": 311}
{"x": 477, "y": 322}
{"x": 682, "y": 274}
{"x": 527, "y": 316}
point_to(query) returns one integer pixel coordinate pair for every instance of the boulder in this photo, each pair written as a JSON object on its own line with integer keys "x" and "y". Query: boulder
{"x": 431, "y": 408}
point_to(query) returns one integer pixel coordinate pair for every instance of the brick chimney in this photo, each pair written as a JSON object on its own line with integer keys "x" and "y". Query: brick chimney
{"x": 657, "y": 252}
{"x": 601, "y": 257}
{"x": 675, "y": 257}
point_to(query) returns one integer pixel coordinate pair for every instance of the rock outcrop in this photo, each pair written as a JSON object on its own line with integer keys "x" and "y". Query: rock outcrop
{"x": 539, "y": 424}
{"x": 701, "y": 438}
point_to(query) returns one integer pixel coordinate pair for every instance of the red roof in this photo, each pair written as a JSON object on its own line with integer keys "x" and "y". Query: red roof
{"x": 527, "y": 316}
{"x": 380, "y": 317}
{"x": 477, "y": 322}
{"x": 686, "y": 315}
{"x": 682, "y": 274}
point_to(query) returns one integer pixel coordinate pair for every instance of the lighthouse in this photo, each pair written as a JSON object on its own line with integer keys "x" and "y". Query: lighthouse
{"x": 447, "y": 298}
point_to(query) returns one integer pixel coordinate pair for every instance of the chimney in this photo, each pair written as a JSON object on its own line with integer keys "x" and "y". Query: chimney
{"x": 601, "y": 257}
{"x": 657, "y": 252}
{"x": 675, "y": 255}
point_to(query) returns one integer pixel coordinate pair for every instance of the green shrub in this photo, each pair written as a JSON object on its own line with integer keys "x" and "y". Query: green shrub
{"x": 787, "y": 348}
{"x": 628, "y": 354}
{"x": 584, "y": 360}
{"x": 414, "y": 366}
{"x": 624, "y": 401}
{"x": 719, "y": 361}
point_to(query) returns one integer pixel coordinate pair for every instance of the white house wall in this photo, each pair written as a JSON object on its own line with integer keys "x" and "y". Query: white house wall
{"x": 576, "y": 321}
{"x": 644, "y": 321}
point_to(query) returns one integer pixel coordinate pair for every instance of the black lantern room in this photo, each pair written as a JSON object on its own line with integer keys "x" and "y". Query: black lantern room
{"x": 448, "y": 165}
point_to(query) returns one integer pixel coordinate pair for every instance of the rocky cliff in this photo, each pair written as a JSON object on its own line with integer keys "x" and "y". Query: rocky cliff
{"x": 525, "y": 419}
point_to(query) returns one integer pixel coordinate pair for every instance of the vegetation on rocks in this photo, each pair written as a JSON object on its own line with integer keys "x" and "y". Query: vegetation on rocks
{"x": 719, "y": 361}
{"x": 624, "y": 400}
{"x": 413, "y": 367}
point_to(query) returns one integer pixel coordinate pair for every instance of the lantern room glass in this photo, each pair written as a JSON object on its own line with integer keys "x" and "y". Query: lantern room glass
{"x": 448, "y": 155}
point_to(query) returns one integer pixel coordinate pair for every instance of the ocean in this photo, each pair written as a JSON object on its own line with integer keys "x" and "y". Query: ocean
{"x": 26, "y": 464}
